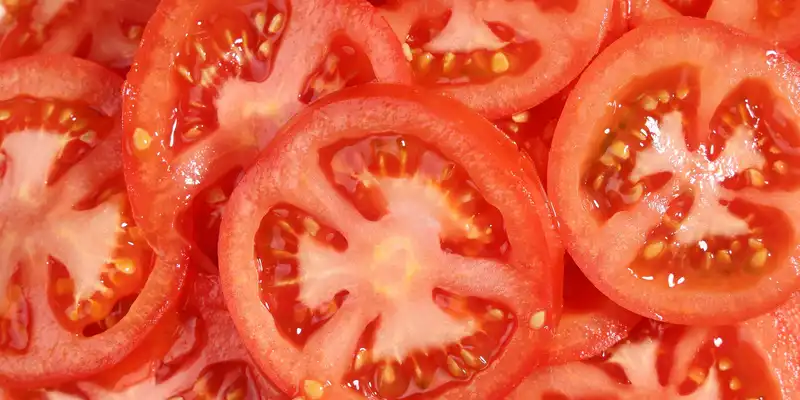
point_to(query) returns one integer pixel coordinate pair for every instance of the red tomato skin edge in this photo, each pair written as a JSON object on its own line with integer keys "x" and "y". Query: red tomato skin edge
{"x": 82, "y": 80}
{"x": 564, "y": 167}
{"x": 244, "y": 303}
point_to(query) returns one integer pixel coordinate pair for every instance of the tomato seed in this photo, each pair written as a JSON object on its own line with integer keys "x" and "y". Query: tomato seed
{"x": 313, "y": 389}
{"x": 724, "y": 364}
{"x": 537, "y": 320}
{"x": 141, "y": 139}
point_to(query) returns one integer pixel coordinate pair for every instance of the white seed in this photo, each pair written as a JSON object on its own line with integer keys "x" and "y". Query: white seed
{"x": 537, "y": 320}
{"x": 500, "y": 63}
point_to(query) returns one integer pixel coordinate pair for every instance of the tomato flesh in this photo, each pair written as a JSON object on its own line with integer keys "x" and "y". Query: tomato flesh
{"x": 691, "y": 172}
{"x": 72, "y": 261}
{"x": 237, "y": 73}
{"x": 477, "y": 51}
{"x": 381, "y": 239}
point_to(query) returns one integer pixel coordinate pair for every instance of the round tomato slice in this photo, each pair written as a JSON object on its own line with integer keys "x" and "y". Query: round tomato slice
{"x": 590, "y": 322}
{"x": 675, "y": 168}
{"x": 392, "y": 243}
{"x": 105, "y": 31}
{"x": 195, "y": 353}
{"x": 499, "y": 57}
{"x": 213, "y": 83}
{"x": 79, "y": 286}
{"x": 754, "y": 360}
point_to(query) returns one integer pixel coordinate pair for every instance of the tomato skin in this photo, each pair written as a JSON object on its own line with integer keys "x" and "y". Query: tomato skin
{"x": 587, "y": 106}
{"x": 70, "y": 357}
{"x": 375, "y": 108}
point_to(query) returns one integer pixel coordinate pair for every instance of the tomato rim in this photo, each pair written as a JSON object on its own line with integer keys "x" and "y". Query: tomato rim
{"x": 86, "y": 81}
{"x": 586, "y": 107}
{"x": 237, "y": 263}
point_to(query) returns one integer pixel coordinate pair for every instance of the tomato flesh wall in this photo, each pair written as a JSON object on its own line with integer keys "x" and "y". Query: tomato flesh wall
{"x": 696, "y": 174}
{"x": 380, "y": 259}
{"x": 664, "y": 361}
{"x": 194, "y": 354}
{"x": 473, "y": 50}
{"x": 236, "y": 76}
{"x": 89, "y": 29}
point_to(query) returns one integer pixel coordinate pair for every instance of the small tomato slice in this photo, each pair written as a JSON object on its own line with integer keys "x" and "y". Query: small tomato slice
{"x": 212, "y": 84}
{"x": 79, "y": 286}
{"x": 757, "y": 359}
{"x": 195, "y": 353}
{"x": 392, "y": 243}
{"x": 675, "y": 168}
{"x": 104, "y": 31}
{"x": 499, "y": 57}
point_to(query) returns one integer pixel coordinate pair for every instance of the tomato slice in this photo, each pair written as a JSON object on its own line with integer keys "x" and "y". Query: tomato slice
{"x": 590, "y": 322}
{"x": 391, "y": 243}
{"x": 105, "y": 31}
{"x": 754, "y": 360}
{"x": 195, "y": 353}
{"x": 674, "y": 170}
{"x": 498, "y": 57}
{"x": 213, "y": 83}
{"x": 773, "y": 20}
{"x": 79, "y": 286}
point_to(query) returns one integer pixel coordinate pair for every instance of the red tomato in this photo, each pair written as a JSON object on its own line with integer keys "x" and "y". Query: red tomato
{"x": 590, "y": 323}
{"x": 194, "y": 354}
{"x": 498, "y": 57}
{"x": 75, "y": 295}
{"x": 777, "y": 21}
{"x": 675, "y": 168}
{"x": 214, "y": 81}
{"x": 400, "y": 224}
{"x": 755, "y": 360}
{"x": 105, "y": 31}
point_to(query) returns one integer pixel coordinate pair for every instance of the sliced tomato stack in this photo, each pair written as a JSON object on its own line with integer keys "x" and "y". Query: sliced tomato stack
{"x": 753, "y": 360}
{"x": 217, "y": 80}
{"x": 376, "y": 253}
{"x": 688, "y": 172}
{"x": 498, "y": 57}
{"x": 107, "y": 32}
{"x": 79, "y": 286}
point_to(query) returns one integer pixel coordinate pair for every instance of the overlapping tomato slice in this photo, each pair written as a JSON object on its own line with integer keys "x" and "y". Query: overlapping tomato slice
{"x": 754, "y": 360}
{"x": 391, "y": 244}
{"x": 214, "y": 82}
{"x": 679, "y": 201}
{"x": 105, "y": 31}
{"x": 498, "y": 57}
{"x": 79, "y": 287}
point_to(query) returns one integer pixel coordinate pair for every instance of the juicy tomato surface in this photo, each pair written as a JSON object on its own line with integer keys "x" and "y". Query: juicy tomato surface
{"x": 676, "y": 174}
{"x": 391, "y": 244}
{"x": 79, "y": 286}
{"x": 195, "y": 353}
{"x": 104, "y": 31}
{"x": 214, "y": 82}
{"x": 757, "y": 359}
{"x": 499, "y": 57}
{"x": 777, "y": 21}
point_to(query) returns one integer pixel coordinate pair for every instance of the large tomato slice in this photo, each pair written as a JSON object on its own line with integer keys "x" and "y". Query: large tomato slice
{"x": 74, "y": 289}
{"x": 675, "y": 169}
{"x": 105, "y": 31}
{"x": 392, "y": 243}
{"x": 499, "y": 57}
{"x": 755, "y": 360}
{"x": 196, "y": 353}
{"x": 214, "y": 81}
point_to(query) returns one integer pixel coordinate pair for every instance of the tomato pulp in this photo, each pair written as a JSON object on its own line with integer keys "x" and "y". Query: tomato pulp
{"x": 214, "y": 81}
{"x": 370, "y": 252}
{"x": 498, "y": 57}
{"x": 79, "y": 286}
{"x": 674, "y": 174}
